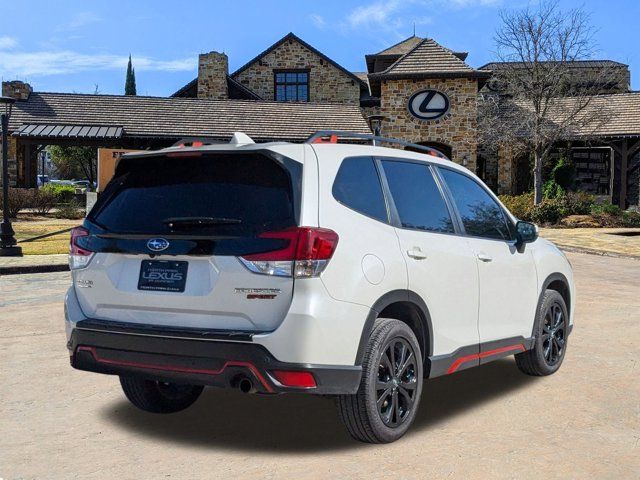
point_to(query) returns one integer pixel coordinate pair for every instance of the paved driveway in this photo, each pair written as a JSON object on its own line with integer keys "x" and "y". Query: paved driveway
{"x": 488, "y": 422}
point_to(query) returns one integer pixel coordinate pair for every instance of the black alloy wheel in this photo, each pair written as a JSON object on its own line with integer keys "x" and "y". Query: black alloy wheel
{"x": 553, "y": 334}
{"x": 387, "y": 400}
{"x": 396, "y": 383}
{"x": 550, "y": 336}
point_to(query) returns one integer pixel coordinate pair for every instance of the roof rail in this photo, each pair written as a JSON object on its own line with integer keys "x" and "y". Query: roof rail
{"x": 332, "y": 136}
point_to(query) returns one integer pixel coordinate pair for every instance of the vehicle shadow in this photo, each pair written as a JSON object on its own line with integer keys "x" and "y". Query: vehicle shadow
{"x": 230, "y": 420}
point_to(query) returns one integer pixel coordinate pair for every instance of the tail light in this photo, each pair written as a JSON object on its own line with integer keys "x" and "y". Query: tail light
{"x": 306, "y": 253}
{"x": 79, "y": 257}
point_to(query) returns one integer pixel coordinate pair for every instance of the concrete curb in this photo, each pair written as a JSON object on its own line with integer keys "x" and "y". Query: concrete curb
{"x": 591, "y": 251}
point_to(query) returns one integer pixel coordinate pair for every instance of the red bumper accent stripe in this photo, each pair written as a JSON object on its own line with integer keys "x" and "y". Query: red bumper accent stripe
{"x": 455, "y": 365}
{"x": 169, "y": 368}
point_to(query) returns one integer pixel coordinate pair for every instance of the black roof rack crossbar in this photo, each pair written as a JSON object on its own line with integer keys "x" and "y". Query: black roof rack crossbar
{"x": 334, "y": 135}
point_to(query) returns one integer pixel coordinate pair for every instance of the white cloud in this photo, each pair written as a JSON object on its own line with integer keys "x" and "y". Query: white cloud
{"x": 392, "y": 15}
{"x": 318, "y": 20}
{"x": 82, "y": 19}
{"x": 22, "y": 64}
{"x": 379, "y": 12}
{"x": 7, "y": 43}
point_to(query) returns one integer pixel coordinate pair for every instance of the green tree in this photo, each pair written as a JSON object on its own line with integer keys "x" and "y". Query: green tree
{"x": 75, "y": 162}
{"x": 130, "y": 82}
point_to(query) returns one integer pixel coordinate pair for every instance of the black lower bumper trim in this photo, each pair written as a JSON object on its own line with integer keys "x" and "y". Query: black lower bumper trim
{"x": 165, "y": 331}
{"x": 198, "y": 362}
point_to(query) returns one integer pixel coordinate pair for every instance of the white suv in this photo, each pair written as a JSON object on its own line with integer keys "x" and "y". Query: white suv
{"x": 346, "y": 270}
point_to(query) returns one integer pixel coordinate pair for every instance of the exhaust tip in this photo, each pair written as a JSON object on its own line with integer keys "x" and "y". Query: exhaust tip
{"x": 245, "y": 385}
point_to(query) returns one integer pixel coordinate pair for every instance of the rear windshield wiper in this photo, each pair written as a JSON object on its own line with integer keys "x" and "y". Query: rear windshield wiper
{"x": 191, "y": 222}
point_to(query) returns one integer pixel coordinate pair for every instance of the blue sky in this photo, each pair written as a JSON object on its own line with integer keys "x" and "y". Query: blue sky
{"x": 72, "y": 46}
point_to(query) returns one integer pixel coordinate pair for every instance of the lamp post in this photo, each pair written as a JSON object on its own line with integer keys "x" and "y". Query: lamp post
{"x": 375, "y": 122}
{"x": 8, "y": 247}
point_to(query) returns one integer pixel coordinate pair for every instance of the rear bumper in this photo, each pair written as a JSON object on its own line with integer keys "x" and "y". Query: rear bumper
{"x": 169, "y": 357}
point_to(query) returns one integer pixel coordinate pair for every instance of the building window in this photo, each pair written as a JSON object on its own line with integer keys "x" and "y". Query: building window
{"x": 292, "y": 86}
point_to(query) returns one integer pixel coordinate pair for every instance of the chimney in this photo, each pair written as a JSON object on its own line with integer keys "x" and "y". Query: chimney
{"x": 213, "y": 68}
{"x": 16, "y": 89}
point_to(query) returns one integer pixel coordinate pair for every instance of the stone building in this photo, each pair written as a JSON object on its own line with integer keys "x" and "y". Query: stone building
{"x": 418, "y": 90}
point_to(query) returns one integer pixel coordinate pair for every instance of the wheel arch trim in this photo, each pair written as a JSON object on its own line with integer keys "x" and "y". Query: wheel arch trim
{"x": 554, "y": 277}
{"x": 389, "y": 298}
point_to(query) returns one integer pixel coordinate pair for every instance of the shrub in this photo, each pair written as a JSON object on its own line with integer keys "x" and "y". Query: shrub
{"x": 552, "y": 209}
{"x": 564, "y": 173}
{"x": 72, "y": 210}
{"x": 578, "y": 203}
{"x": 631, "y": 218}
{"x": 606, "y": 209}
{"x": 551, "y": 189}
{"x": 548, "y": 212}
{"x": 43, "y": 201}
{"x": 519, "y": 205}
{"x": 19, "y": 199}
{"x": 63, "y": 193}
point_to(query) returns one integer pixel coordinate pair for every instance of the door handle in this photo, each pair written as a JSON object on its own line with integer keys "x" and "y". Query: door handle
{"x": 483, "y": 257}
{"x": 416, "y": 253}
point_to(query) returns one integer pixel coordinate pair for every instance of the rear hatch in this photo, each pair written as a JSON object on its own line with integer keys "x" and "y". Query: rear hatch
{"x": 165, "y": 237}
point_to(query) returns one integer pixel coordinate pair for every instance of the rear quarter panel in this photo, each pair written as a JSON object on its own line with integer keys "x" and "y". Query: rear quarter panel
{"x": 365, "y": 244}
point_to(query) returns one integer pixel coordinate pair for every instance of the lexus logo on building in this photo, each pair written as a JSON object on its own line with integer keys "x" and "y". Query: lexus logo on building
{"x": 428, "y": 104}
{"x": 157, "y": 244}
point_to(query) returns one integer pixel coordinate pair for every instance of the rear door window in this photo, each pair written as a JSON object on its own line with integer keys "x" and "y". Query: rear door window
{"x": 213, "y": 194}
{"x": 357, "y": 186}
{"x": 417, "y": 198}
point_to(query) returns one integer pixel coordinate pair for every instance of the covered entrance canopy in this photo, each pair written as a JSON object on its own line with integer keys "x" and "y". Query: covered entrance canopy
{"x": 607, "y": 155}
{"x": 132, "y": 122}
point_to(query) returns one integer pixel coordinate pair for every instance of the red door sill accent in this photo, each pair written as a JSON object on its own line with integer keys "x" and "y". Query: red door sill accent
{"x": 475, "y": 356}
{"x": 169, "y": 368}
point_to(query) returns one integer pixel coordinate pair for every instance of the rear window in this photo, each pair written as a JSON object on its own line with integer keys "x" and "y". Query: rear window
{"x": 211, "y": 195}
{"x": 357, "y": 186}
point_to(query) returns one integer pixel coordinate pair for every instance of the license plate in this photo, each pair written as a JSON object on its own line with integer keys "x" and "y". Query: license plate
{"x": 163, "y": 275}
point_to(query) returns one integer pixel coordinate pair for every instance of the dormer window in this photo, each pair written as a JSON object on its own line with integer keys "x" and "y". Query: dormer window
{"x": 291, "y": 86}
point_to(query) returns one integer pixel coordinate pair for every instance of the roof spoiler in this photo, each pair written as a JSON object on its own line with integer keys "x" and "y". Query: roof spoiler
{"x": 332, "y": 136}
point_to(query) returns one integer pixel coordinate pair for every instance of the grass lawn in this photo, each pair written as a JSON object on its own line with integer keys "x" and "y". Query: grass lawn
{"x": 28, "y": 226}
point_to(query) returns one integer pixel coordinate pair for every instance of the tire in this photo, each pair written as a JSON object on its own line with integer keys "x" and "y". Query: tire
{"x": 360, "y": 413}
{"x": 550, "y": 337}
{"x": 159, "y": 397}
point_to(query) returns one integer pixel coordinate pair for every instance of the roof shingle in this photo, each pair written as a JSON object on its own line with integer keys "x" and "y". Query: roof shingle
{"x": 429, "y": 58}
{"x": 620, "y": 110}
{"x": 572, "y": 64}
{"x": 402, "y": 47}
{"x": 187, "y": 117}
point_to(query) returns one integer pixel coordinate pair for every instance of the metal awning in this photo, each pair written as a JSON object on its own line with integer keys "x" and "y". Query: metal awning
{"x": 69, "y": 131}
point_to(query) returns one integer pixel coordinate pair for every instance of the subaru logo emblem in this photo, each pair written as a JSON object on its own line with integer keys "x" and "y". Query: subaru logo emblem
{"x": 157, "y": 244}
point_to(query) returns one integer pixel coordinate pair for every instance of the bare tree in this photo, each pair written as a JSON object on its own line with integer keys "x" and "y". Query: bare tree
{"x": 538, "y": 96}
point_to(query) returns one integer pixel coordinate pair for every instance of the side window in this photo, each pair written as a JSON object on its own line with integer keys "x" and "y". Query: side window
{"x": 417, "y": 197}
{"x": 357, "y": 186}
{"x": 481, "y": 215}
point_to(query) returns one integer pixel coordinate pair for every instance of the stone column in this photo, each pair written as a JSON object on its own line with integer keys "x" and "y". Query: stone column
{"x": 505, "y": 171}
{"x": 20, "y": 91}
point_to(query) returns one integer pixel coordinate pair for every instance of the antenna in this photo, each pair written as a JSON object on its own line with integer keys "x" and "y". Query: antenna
{"x": 414, "y": 29}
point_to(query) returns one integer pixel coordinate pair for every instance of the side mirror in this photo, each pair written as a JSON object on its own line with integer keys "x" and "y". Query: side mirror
{"x": 525, "y": 233}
